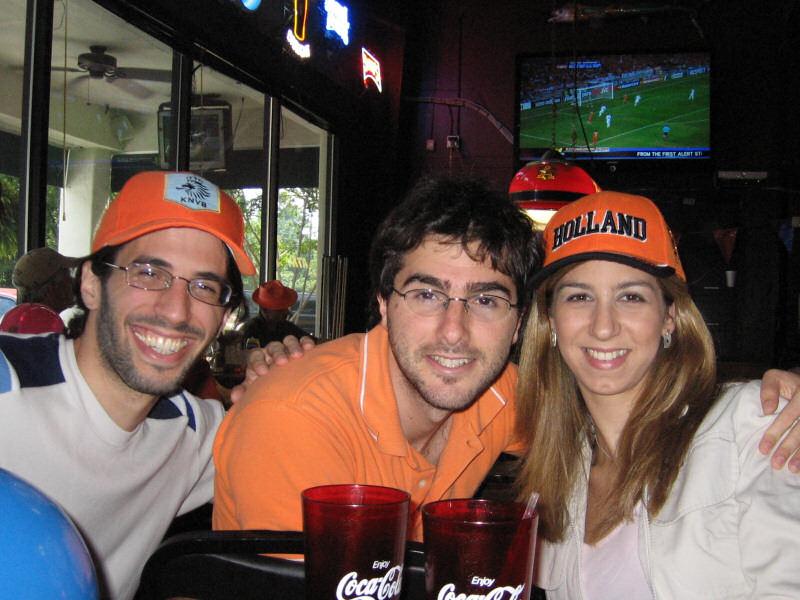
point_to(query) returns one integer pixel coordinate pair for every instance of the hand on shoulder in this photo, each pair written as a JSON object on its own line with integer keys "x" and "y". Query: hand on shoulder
{"x": 777, "y": 383}
{"x": 275, "y": 354}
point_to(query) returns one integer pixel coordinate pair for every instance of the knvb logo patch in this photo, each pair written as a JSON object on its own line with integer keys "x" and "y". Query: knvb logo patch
{"x": 192, "y": 191}
{"x": 610, "y": 223}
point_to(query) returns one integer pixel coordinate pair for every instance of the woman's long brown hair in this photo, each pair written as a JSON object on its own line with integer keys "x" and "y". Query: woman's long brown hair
{"x": 552, "y": 418}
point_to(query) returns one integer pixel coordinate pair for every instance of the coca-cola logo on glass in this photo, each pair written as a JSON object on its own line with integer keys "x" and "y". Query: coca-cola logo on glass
{"x": 502, "y": 592}
{"x": 377, "y": 588}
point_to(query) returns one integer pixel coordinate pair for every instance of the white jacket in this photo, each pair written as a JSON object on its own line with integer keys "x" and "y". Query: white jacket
{"x": 729, "y": 529}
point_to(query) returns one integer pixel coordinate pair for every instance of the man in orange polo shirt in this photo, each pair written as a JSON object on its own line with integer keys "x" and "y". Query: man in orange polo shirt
{"x": 424, "y": 400}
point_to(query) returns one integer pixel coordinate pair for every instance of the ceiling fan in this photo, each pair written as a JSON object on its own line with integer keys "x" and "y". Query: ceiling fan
{"x": 98, "y": 64}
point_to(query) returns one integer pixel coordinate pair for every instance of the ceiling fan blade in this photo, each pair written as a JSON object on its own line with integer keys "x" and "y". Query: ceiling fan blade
{"x": 131, "y": 87}
{"x": 78, "y": 86}
{"x": 68, "y": 69}
{"x": 77, "y": 81}
{"x": 160, "y": 75}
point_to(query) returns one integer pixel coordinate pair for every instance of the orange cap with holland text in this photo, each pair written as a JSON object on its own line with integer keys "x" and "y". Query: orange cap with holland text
{"x": 610, "y": 226}
{"x": 155, "y": 200}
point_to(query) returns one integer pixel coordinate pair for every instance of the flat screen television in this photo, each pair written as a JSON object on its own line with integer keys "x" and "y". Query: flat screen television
{"x": 614, "y": 106}
{"x": 209, "y": 136}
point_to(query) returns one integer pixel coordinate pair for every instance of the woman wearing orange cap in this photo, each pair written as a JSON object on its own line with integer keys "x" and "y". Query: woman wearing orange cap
{"x": 651, "y": 481}
{"x": 271, "y": 324}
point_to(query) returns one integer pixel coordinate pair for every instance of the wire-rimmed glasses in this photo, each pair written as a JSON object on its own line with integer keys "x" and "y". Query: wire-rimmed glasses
{"x": 150, "y": 277}
{"x": 429, "y": 303}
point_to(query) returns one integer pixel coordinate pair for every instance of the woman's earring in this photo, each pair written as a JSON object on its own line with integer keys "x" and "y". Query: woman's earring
{"x": 553, "y": 338}
{"x": 667, "y": 337}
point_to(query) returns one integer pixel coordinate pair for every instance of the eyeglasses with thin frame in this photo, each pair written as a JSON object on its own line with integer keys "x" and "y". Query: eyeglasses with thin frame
{"x": 149, "y": 277}
{"x": 429, "y": 303}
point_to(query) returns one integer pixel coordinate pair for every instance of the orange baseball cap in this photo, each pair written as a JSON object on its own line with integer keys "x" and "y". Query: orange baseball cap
{"x": 155, "y": 200}
{"x": 610, "y": 226}
{"x": 273, "y": 295}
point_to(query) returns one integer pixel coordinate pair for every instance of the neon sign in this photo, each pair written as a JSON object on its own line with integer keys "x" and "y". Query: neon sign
{"x": 337, "y": 20}
{"x": 297, "y": 35}
{"x": 302, "y": 50}
{"x": 300, "y": 16}
{"x": 371, "y": 68}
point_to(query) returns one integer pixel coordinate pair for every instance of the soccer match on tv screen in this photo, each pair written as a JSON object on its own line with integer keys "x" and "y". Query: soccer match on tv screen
{"x": 620, "y": 106}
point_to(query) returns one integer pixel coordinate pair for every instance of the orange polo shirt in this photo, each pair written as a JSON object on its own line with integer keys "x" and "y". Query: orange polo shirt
{"x": 332, "y": 418}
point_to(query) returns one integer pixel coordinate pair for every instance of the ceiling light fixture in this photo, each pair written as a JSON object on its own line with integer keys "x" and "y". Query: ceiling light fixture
{"x": 543, "y": 186}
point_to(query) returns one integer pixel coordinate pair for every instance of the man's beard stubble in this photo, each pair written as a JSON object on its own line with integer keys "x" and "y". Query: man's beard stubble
{"x": 409, "y": 361}
{"x": 119, "y": 361}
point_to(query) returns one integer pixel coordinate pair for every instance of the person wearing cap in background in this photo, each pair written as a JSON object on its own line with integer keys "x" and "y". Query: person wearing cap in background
{"x": 44, "y": 276}
{"x": 651, "y": 480}
{"x": 44, "y": 282}
{"x": 271, "y": 324}
{"x": 99, "y": 422}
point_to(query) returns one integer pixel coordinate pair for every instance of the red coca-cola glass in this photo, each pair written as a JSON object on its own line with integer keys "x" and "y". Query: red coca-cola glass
{"x": 478, "y": 548}
{"x": 355, "y": 538}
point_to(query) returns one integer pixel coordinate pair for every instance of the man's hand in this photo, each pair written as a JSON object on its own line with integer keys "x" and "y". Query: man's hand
{"x": 782, "y": 383}
{"x": 274, "y": 354}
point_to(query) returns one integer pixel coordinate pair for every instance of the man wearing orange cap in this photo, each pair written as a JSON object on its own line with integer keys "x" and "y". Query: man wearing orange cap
{"x": 271, "y": 324}
{"x": 99, "y": 422}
